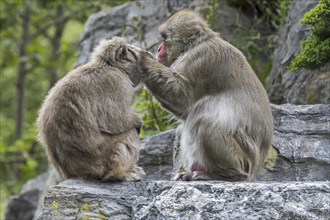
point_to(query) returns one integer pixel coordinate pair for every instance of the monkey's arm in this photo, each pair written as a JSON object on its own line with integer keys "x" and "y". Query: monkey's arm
{"x": 134, "y": 121}
{"x": 169, "y": 87}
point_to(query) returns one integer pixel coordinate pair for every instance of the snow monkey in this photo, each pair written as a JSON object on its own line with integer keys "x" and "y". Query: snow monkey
{"x": 86, "y": 124}
{"x": 206, "y": 82}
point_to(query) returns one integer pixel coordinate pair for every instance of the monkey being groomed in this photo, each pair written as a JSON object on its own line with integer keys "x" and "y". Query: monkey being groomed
{"x": 86, "y": 124}
{"x": 206, "y": 82}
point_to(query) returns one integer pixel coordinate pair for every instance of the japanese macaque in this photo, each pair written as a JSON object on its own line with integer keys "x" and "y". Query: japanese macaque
{"x": 86, "y": 124}
{"x": 206, "y": 82}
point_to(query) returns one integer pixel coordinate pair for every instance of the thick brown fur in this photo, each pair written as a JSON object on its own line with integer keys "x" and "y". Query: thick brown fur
{"x": 86, "y": 124}
{"x": 227, "y": 125}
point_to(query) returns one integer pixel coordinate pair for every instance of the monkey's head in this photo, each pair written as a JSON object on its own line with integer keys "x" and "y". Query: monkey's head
{"x": 182, "y": 31}
{"x": 118, "y": 54}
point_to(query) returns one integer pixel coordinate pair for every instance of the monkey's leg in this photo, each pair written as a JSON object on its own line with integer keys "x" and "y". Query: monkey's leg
{"x": 135, "y": 173}
{"x": 123, "y": 156}
{"x": 222, "y": 156}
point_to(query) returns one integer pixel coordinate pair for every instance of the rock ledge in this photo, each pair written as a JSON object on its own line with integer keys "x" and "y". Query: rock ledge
{"x": 75, "y": 199}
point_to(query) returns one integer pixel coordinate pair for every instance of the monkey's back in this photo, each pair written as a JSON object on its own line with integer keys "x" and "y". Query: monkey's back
{"x": 230, "y": 106}
{"x": 70, "y": 119}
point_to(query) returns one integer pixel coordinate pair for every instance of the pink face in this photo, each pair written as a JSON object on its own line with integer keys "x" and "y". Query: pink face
{"x": 162, "y": 54}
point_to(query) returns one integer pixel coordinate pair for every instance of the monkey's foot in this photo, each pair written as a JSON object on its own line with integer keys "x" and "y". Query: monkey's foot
{"x": 135, "y": 174}
{"x": 184, "y": 176}
{"x": 200, "y": 175}
{"x": 194, "y": 176}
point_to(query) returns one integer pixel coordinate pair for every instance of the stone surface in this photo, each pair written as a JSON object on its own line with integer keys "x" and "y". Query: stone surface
{"x": 30, "y": 200}
{"x": 23, "y": 206}
{"x": 75, "y": 199}
{"x": 136, "y": 21}
{"x": 303, "y": 86}
{"x": 302, "y": 141}
{"x": 156, "y": 156}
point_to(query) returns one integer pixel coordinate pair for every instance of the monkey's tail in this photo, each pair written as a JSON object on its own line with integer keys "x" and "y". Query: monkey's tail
{"x": 251, "y": 160}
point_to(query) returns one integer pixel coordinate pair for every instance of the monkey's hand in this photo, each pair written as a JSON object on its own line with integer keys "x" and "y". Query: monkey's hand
{"x": 137, "y": 122}
{"x": 145, "y": 62}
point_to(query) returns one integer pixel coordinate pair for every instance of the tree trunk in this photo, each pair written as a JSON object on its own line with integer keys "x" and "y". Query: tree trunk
{"x": 22, "y": 70}
{"x": 56, "y": 46}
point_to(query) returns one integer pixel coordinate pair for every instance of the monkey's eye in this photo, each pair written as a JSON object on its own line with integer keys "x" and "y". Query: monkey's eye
{"x": 163, "y": 34}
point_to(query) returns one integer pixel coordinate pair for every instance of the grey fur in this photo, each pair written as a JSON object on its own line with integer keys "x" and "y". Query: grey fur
{"x": 86, "y": 124}
{"x": 227, "y": 125}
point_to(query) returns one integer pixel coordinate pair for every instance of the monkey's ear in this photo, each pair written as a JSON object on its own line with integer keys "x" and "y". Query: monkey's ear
{"x": 121, "y": 53}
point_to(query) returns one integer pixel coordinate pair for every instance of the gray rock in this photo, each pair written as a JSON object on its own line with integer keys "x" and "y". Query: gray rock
{"x": 302, "y": 141}
{"x": 156, "y": 156}
{"x": 137, "y": 21}
{"x": 23, "y": 206}
{"x": 303, "y": 86}
{"x": 30, "y": 200}
{"x": 75, "y": 199}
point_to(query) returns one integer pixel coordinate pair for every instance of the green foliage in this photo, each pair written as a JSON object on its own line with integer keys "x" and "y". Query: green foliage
{"x": 25, "y": 157}
{"x": 210, "y": 16}
{"x": 154, "y": 117}
{"x": 315, "y": 51}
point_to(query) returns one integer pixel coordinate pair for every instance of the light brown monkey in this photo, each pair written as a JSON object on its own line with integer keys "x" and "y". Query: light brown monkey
{"x": 86, "y": 124}
{"x": 227, "y": 121}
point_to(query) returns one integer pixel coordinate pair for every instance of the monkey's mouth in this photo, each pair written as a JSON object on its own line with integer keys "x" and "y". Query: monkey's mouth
{"x": 162, "y": 59}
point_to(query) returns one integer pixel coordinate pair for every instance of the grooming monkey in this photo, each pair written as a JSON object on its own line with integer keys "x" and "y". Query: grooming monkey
{"x": 206, "y": 82}
{"x": 86, "y": 124}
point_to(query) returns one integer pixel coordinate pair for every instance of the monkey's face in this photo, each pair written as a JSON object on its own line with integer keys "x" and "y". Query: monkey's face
{"x": 178, "y": 34}
{"x": 118, "y": 54}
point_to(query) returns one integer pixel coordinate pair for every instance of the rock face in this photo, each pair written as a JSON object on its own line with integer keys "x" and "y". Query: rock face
{"x": 303, "y": 86}
{"x": 138, "y": 22}
{"x": 30, "y": 200}
{"x": 23, "y": 206}
{"x": 156, "y": 156}
{"x": 75, "y": 199}
{"x": 302, "y": 141}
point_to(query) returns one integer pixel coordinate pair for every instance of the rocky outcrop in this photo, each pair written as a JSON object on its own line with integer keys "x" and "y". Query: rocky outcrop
{"x": 156, "y": 156}
{"x": 75, "y": 199}
{"x": 23, "y": 206}
{"x": 303, "y": 86}
{"x": 137, "y": 22}
{"x": 302, "y": 140}
{"x": 31, "y": 198}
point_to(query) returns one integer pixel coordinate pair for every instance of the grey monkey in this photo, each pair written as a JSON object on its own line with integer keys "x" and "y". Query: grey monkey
{"x": 86, "y": 124}
{"x": 207, "y": 83}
